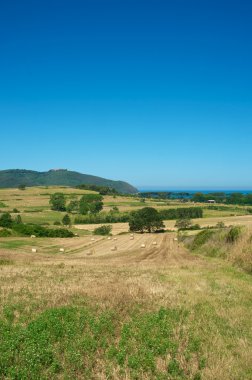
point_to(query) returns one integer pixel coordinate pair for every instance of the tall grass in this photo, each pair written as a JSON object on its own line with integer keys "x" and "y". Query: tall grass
{"x": 233, "y": 244}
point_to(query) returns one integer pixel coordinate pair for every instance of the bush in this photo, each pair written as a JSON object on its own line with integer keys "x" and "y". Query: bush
{"x": 66, "y": 221}
{"x": 220, "y": 225}
{"x": 6, "y": 220}
{"x": 57, "y": 223}
{"x": 15, "y": 211}
{"x": 233, "y": 234}
{"x": 183, "y": 224}
{"x": 5, "y": 233}
{"x": 103, "y": 230}
{"x": 201, "y": 238}
{"x": 21, "y": 187}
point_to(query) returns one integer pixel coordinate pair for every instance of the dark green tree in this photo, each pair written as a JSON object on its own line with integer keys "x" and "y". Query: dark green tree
{"x": 66, "y": 221}
{"x": 18, "y": 219}
{"x": 58, "y": 202}
{"x": 73, "y": 206}
{"x": 6, "y": 220}
{"x": 147, "y": 219}
{"x": 90, "y": 203}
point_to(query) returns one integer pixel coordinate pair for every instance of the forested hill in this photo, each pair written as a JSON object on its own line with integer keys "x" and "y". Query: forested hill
{"x": 59, "y": 177}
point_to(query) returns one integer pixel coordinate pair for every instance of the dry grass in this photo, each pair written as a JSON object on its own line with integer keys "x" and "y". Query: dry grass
{"x": 217, "y": 297}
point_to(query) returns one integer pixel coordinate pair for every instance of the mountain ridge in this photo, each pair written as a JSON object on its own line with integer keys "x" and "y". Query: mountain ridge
{"x": 59, "y": 177}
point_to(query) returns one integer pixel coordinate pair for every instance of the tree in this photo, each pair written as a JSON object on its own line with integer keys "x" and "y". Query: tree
{"x": 182, "y": 224}
{"x": 90, "y": 203}
{"x": 58, "y": 202}
{"x": 147, "y": 219}
{"x": 73, "y": 206}
{"x": 5, "y": 220}
{"x": 18, "y": 219}
{"x": 66, "y": 221}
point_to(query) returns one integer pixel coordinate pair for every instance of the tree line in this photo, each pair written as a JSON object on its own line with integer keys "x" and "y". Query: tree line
{"x": 22, "y": 229}
{"x": 119, "y": 217}
{"x": 220, "y": 197}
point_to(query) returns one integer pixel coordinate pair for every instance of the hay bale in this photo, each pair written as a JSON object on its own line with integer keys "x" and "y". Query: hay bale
{"x": 33, "y": 236}
{"x": 143, "y": 245}
{"x": 109, "y": 238}
{"x": 175, "y": 239}
{"x": 132, "y": 238}
{"x": 34, "y": 250}
{"x": 154, "y": 243}
{"x": 62, "y": 250}
{"x": 90, "y": 252}
{"x": 114, "y": 248}
{"x": 92, "y": 239}
{"x": 115, "y": 239}
{"x": 131, "y": 235}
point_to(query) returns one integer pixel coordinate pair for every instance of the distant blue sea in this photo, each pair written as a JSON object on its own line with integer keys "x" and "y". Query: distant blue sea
{"x": 191, "y": 192}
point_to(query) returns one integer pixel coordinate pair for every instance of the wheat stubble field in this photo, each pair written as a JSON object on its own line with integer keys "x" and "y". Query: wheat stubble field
{"x": 90, "y": 312}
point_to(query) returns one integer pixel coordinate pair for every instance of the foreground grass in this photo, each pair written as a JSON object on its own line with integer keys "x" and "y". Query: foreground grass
{"x": 72, "y": 319}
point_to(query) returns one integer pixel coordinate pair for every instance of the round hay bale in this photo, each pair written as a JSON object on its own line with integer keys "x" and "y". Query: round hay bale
{"x": 34, "y": 250}
{"x": 62, "y": 249}
{"x": 33, "y": 236}
{"x": 109, "y": 238}
{"x": 114, "y": 248}
{"x": 143, "y": 245}
{"x": 154, "y": 243}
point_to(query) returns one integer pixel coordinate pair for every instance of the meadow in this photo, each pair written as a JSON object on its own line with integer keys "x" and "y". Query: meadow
{"x": 162, "y": 311}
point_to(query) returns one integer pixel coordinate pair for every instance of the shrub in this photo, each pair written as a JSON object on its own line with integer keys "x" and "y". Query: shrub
{"x": 21, "y": 187}
{"x": 57, "y": 223}
{"x": 18, "y": 219}
{"x": 66, "y": 221}
{"x": 5, "y": 233}
{"x": 103, "y": 230}
{"x": 201, "y": 238}
{"x": 183, "y": 224}
{"x": 233, "y": 234}
{"x": 220, "y": 225}
{"x": 15, "y": 211}
{"x": 6, "y": 220}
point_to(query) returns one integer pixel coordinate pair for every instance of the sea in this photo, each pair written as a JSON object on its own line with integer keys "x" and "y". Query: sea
{"x": 191, "y": 192}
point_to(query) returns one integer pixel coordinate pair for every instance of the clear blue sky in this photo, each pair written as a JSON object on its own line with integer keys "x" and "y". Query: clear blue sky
{"x": 158, "y": 93}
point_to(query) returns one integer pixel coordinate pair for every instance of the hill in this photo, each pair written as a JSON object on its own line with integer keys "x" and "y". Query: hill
{"x": 59, "y": 177}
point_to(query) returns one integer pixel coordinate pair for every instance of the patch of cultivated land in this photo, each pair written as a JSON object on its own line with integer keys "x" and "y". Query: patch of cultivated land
{"x": 92, "y": 312}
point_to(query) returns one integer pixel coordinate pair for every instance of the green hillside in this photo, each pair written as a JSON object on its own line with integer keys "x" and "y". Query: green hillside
{"x": 61, "y": 177}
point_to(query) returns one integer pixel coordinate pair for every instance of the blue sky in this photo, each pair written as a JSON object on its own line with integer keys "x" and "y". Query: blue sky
{"x": 157, "y": 93}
